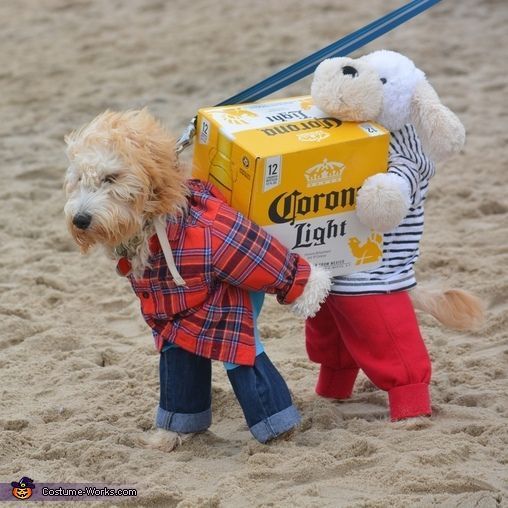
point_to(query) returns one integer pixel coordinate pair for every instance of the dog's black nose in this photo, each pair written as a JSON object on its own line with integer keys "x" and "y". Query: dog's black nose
{"x": 349, "y": 71}
{"x": 82, "y": 220}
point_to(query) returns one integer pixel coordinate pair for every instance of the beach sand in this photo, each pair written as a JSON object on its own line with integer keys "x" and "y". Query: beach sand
{"x": 78, "y": 372}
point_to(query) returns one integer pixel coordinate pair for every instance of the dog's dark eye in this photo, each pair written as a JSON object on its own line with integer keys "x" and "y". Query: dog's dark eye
{"x": 349, "y": 71}
{"x": 110, "y": 179}
{"x": 383, "y": 80}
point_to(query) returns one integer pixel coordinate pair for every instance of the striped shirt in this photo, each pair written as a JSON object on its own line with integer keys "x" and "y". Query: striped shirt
{"x": 400, "y": 246}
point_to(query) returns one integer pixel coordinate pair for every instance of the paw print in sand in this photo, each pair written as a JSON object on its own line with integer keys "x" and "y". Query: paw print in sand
{"x": 369, "y": 251}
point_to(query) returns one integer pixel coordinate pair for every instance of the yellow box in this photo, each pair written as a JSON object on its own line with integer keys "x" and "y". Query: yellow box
{"x": 296, "y": 172}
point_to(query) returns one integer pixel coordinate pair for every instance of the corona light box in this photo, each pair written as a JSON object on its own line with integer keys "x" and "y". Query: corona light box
{"x": 296, "y": 172}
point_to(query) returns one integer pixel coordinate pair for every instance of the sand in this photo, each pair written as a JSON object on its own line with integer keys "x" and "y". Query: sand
{"x": 78, "y": 372}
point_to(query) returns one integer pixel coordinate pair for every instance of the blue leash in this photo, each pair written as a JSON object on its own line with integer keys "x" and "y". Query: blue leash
{"x": 307, "y": 65}
{"x": 342, "y": 47}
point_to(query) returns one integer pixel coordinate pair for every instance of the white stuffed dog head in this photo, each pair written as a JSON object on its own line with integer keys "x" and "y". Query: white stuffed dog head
{"x": 386, "y": 87}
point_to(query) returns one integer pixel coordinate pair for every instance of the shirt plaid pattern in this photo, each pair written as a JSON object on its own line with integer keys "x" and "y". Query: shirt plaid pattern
{"x": 221, "y": 255}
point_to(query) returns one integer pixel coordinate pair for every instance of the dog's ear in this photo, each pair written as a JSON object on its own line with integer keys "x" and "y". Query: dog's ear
{"x": 70, "y": 142}
{"x": 70, "y": 177}
{"x": 167, "y": 191}
{"x": 154, "y": 151}
{"x": 439, "y": 129}
{"x": 69, "y": 181}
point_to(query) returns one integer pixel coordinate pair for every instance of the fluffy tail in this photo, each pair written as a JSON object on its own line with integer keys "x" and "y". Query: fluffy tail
{"x": 454, "y": 308}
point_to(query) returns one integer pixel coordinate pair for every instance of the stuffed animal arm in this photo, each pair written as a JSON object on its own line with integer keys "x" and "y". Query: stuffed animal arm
{"x": 385, "y": 198}
{"x": 383, "y": 201}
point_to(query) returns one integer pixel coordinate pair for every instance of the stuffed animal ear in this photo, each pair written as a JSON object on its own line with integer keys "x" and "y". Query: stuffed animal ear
{"x": 439, "y": 129}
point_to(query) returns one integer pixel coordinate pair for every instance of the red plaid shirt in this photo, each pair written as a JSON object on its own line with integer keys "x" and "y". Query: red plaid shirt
{"x": 221, "y": 255}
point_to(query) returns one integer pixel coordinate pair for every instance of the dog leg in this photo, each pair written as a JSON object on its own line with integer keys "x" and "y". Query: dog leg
{"x": 162, "y": 440}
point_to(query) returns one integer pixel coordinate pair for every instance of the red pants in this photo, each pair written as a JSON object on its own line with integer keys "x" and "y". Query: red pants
{"x": 378, "y": 334}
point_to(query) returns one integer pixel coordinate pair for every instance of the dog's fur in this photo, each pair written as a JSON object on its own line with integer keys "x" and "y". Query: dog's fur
{"x": 123, "y": 172}
{"x": 454, "y": 308}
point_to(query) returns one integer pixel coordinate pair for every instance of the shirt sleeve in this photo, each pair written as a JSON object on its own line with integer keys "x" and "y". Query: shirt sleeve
{"x": 408, "y": 171}
{"x": 245, "y": 255}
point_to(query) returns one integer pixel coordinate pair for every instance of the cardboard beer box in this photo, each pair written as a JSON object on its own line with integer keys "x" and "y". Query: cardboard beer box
{"x": 296, "y": 173}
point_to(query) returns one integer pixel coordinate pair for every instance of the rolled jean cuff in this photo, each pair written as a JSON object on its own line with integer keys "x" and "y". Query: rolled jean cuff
{"x": 183, "y": 422}
{"x": 336, "y": 383}
{"x": 409, "y": 401}
{"x": 276, "y": 424}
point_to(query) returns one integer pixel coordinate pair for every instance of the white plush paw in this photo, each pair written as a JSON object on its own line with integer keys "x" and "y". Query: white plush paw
{"x": 315, "y": 292}
{"x": 383, "y": 201}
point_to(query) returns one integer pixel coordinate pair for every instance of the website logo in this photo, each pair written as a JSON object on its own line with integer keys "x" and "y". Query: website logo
{"x": 23, "y": 489}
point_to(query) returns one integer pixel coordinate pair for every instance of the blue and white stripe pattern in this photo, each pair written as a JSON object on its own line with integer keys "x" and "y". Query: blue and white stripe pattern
{"x": 400, "y": 246}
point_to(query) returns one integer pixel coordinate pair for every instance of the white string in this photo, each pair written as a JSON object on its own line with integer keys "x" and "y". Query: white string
{"x": 160, "y": 229}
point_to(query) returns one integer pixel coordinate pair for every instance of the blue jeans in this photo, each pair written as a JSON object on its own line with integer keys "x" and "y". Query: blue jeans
{"x": 185, "y": 393}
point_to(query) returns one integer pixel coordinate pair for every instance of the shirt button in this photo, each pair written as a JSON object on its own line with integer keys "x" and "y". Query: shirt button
{"x": 146, "y": 294}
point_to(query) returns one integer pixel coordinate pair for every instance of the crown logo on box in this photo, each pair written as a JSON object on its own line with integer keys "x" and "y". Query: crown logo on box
{"x": 324, "y": 173}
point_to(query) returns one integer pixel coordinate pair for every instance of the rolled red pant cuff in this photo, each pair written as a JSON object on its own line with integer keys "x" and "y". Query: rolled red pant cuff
{"x": 409, "y": 401}
{"x": 336, "y": 383}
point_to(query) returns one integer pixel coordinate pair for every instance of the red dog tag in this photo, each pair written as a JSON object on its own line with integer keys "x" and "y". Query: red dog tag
{"x": 123, "y": 267}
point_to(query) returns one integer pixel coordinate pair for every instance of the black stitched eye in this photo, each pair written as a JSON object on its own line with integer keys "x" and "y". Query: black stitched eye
{"x": 349, "y": 71}
{"x": 383, "y": 80}
{"x": 109, "y": 179}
